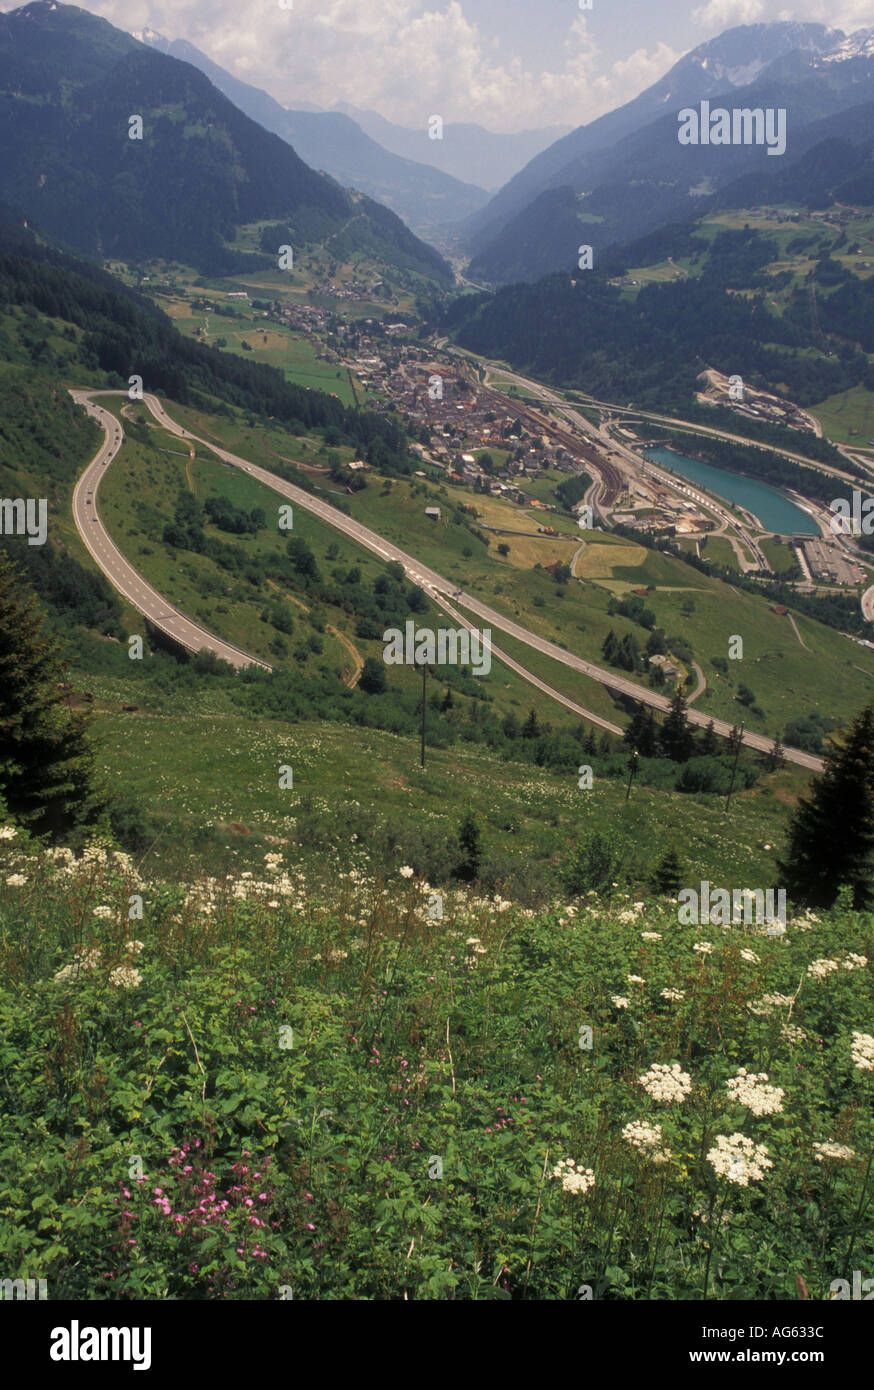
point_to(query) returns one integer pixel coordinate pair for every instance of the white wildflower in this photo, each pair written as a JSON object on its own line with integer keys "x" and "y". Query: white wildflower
{"x": 87, "y": 958}
{"x": 818, "y": 969}
{"x": 738, "y": 1159}
{"x": 574, "y": 1177}
{"x": 647, "y": 1139}
{"x": 666, "y": 1082}
{"x": 751, "y": 1089}
{"x": 854, "y": 962}
{"x": 769, "y": 1002}
{"x": 125, "y": 977}
{"x": 792, "y": 1033}
{"x": 863, "y": 1051}
{"x": 832, "y": 1150}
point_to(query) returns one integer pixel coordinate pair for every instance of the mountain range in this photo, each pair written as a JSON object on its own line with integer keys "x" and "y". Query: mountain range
{"x": 467, "y": 151}
{"x": 198, "y": 169}
{"x": 434, "y": 185}
{"x": 430, "y": 201}
{"x": 626, "y": 173}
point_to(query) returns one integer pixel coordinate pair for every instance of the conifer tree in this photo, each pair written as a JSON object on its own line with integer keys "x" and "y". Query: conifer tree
{"x": 831, "y": 835}
{"x": 668, "y": 874}
{"x": 709, "y": 741}
{"x": 531, "y": 727}
{"x": 775, "y": 757}
{"x": 642, "y": 732}
{"x": 677, "y": 739}
{"x": 628, "y": 653}
{"x": 610, "y": 648}
{"x": 46, "y": 761}
{"x": 468, "y": 843}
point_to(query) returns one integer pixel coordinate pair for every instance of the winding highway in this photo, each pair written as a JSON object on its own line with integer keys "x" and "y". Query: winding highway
{"x": 119, "y": 571}
{"x": 439, "y": 589}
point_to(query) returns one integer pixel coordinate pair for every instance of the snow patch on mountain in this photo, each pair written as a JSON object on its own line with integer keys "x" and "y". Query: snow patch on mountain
{"x": 148, "y": 36}
{"x": 857, "y": 45}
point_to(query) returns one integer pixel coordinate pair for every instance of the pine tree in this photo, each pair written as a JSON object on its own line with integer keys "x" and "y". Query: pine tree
{"x": 628, "y": 655}
{"x": 735, "y": 740}
{"x": 531, "y": 728}
{"x": 831, "y": 834}
{"x": 642, "y": 732}
{"x": 46, "y": 761}
{"x": 668, "y": 874}
{"x": 610, "y": 648}
{"x": 709, "y": 741}
{"x": 676, "y": 737}
{"x": 468, "y": 843}
{"x": 775, "y": 757}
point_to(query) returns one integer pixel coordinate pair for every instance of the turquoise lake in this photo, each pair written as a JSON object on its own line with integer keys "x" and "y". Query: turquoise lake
{"x": 775, "y": 511}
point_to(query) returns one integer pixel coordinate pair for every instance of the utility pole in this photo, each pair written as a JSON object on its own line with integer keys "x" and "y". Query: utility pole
{"x": 737, "y": 749}
{"x": 632, "y": 768}
{"x": 424, "y": 679}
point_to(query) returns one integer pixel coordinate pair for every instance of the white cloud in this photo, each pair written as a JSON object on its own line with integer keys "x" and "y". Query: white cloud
{"x": 407, "y": 59}
{"x": 849, "y": 15}
{"x": 638, "y": 71}
{"x": 718, "y": 15}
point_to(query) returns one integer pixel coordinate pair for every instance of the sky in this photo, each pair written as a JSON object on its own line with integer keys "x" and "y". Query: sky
{"x": 505, "y": 64}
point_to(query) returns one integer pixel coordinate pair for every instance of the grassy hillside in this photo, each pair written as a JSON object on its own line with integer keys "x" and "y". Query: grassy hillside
{"x": 262, "y": 1088}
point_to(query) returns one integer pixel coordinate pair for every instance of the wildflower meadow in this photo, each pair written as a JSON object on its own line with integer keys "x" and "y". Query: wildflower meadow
{"x": 263, "y": 1087}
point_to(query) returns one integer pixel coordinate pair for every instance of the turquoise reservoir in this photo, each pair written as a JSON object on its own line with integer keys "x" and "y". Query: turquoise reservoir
{"x": 775, "y": 511}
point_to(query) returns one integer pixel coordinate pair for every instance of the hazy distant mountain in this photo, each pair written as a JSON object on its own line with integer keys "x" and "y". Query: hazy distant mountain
{"x": 469, "y": 152}
{"x": 626, "y": 173}
{"x": 432, "y": 203}
{"x": 732, "y": 59}
{"x": 70, "y": 84}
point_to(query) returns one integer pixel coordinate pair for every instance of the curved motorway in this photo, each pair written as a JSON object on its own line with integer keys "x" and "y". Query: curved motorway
{"x": 439, "y": 589}
{"x": 121, "y": 574}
